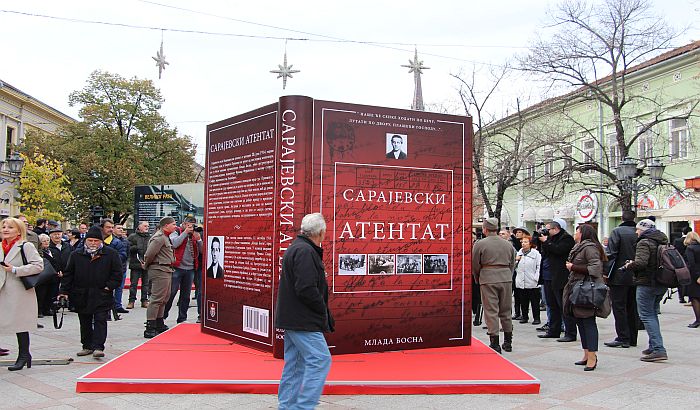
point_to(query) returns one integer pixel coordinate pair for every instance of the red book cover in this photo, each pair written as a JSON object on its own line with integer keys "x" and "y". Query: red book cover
{"x": 395, "y": 189}
{"x": 254, "y": 200}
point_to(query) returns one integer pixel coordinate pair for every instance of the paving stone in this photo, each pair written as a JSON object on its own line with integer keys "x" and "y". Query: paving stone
{"x": 620, "y": 381}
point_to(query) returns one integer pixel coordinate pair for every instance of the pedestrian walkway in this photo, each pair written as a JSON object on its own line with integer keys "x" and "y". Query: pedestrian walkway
{"x": 621, "y": 379}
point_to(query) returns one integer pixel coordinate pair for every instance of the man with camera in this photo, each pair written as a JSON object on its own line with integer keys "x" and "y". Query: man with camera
{"x": 187, "y": 245}
{"x": 58, "y": 253}
{"x": 93, "y": 273}
{"x": 556, "y": 244}
{"x": 621, "y": 248}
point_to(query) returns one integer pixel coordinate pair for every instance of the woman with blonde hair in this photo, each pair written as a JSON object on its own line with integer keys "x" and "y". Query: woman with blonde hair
{"x": 17, "y": 304}
{"x": 692, "y": 291}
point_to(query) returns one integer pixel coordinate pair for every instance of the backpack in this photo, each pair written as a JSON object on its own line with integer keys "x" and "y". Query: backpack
{"x": 672, "y": 271}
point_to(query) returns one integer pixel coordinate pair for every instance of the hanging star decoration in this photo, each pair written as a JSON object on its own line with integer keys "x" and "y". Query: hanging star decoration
{"x": 160, "y": 60}
{"x": 285, "y": 71}
{"x": 416, "y": 66}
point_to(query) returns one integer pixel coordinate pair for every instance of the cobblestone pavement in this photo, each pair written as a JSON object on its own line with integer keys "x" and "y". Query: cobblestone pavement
{"x": 620, "y": 381}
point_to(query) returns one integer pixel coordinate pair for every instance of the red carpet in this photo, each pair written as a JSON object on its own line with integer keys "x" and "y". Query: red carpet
{"x": 184, "y": 360}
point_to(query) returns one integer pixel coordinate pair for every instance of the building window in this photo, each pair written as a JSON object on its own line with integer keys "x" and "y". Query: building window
{"x": 614, "y": 155}
{"x": 10, "y": 141}
{"x": 566, "y": 152}
{"x": 548, "y": 162}
{"x": 530, "y": 169}
{"x": 646, "y": 146}
{"x": 613, "y": 148}
{"x": 678, "y": 140}
{"x": 589, "y": 153}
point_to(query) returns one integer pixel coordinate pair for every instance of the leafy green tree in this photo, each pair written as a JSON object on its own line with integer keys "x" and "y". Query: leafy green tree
{"x": 122, "y": 141}
{"x": 43, "y": 188}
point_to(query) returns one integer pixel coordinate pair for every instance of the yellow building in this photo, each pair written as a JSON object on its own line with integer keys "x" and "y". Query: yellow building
{"x": 19, "y": 112}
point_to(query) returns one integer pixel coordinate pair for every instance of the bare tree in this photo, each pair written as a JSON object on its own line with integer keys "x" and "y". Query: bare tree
{"x": 594, "y": 49}
{"x": 499, "y": 153}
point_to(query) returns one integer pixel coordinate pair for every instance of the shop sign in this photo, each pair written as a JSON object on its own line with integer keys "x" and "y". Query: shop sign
{"x": 647, "y": 202}
{"x": 587, "y": 206}
{"x": 674, "y": 199}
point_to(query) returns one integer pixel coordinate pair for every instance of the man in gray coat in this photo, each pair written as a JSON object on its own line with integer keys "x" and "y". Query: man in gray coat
{"x": 493, "y": 261}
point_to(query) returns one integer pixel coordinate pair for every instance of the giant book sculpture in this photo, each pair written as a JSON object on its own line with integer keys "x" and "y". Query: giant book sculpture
{"x": 395, "y": 187}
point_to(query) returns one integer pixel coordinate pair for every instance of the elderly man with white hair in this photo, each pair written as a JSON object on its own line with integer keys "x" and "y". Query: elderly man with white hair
{"x": 302, "y": 311}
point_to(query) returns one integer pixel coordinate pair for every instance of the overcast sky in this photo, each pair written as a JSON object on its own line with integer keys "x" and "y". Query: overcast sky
{"x": 212, "y": 76}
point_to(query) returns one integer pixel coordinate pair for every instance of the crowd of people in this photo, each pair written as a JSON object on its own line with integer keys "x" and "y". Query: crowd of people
{"x": 520, "y": 273}
{"x": 85, "y": 271}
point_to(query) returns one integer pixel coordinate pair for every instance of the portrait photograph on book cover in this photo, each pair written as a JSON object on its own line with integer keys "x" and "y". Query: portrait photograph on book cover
{"x": 352, "y": 264}
{"x": 396, "y": 145}
{"x": 215, "y": 257}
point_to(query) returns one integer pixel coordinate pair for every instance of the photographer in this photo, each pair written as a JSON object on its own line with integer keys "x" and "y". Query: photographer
{"x": 621, "y": 245}
{"x": 89, "y": 280}
{"x": 556, "y": 244}
{"x": 187, "y": 245}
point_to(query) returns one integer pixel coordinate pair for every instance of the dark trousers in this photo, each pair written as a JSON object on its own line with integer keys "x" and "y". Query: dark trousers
{"x": 555, "y": 310}
{"x": 530, "y": 298}
{"x": 517, "y": 298}
{"x": 93, "y": 329}
{"x": 554, "y": 299}
{"x": 624, "y": 309}
{"x": 569, "y": 322}
{"x": 589, "y": 333}
{"x": 134, "y": 277}
{"x": 43, "y": 298}
{"x": 182, "y": 281}
{"x": 476, "y": 298}
{"x": 198, "y": 289}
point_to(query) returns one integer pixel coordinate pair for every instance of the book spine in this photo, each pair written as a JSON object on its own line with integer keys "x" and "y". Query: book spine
{"x": 293, "y": 185}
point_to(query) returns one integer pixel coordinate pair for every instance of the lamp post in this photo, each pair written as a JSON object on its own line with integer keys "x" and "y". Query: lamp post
{"x": 15, "y": 163}
{"x": 14, "y": 167}
{"x": 628, "y": 174}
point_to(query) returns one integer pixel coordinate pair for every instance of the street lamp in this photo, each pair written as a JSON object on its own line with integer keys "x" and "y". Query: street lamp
{"x": 14, "y": 166}
{"x": 628, "y": 174}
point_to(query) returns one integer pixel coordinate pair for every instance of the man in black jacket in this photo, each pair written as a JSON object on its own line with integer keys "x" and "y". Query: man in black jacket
{"x": 138, "y": 242}
{"x": 58, "y": 253}
{"x": 92, "y": 274}
{"x": 555, "y": 248}
{"x": 302, "y": 311}
{"x": 621, "y": 246}
{"x": 678, "y": 244}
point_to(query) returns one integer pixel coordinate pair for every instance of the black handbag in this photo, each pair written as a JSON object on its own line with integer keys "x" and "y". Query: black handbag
{"x": 42, "y": 277}
{"x": 589, "y": 293}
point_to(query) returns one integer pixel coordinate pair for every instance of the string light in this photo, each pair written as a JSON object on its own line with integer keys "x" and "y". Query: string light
{"x": 327, "y": 39}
